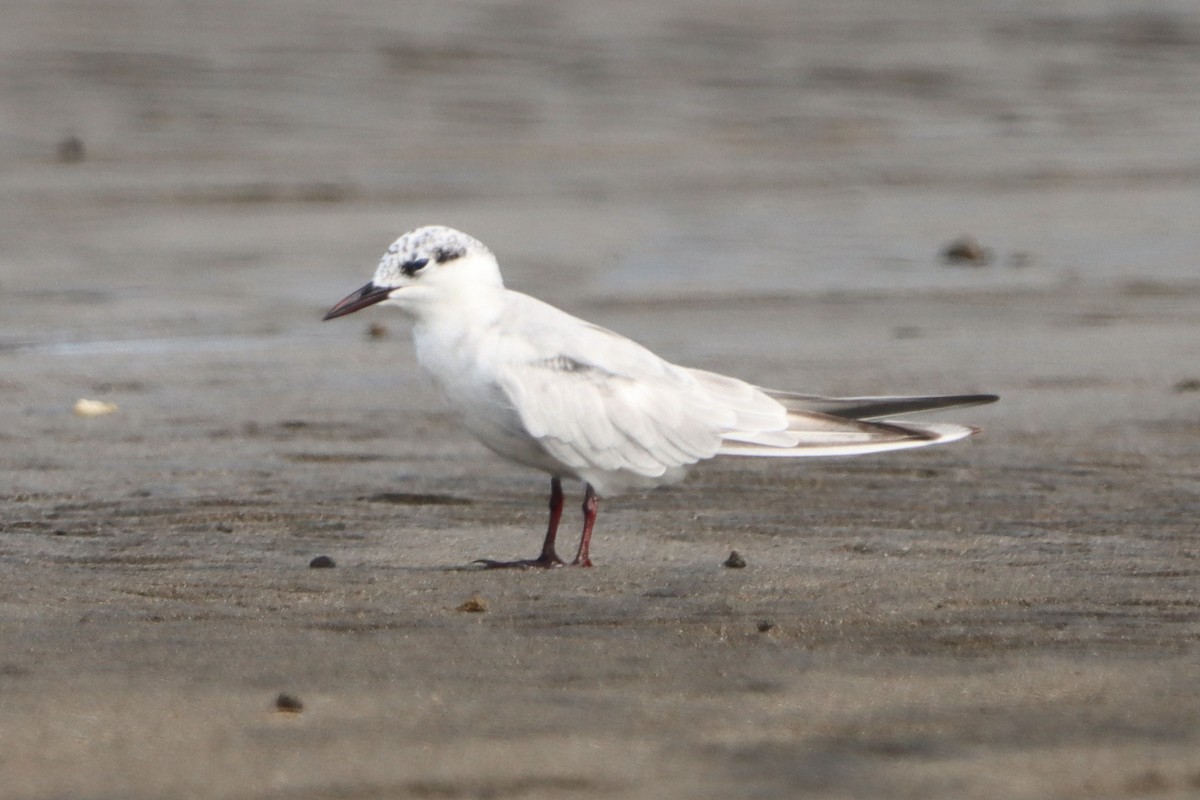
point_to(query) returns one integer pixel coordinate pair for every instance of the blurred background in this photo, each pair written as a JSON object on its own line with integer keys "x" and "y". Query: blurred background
{"x": 841, "y": 196}
{"x": 190, "y": 184}
{"x": 272, "y": 149}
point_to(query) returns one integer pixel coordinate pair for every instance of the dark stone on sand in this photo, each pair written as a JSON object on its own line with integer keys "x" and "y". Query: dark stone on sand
{"x": 70, "y": 150}
{"x": 965, "y": 251}
{"x": 735, "y": 560}
{"x": 322, "y": 562}
{"x": 288, "y": 703}
{"x": 473, "y": 605}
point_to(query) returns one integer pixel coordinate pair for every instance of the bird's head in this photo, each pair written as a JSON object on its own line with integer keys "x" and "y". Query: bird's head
{"x": 423, "y": 265}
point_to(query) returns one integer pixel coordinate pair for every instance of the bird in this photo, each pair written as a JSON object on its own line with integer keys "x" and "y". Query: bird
{"x": 551, "y": 391}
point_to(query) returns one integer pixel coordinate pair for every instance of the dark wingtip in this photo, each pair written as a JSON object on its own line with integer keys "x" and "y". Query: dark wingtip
{"x": 976, "y": 399}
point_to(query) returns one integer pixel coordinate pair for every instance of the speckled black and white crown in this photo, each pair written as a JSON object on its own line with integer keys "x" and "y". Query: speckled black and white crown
{"x": 415, "y": 250}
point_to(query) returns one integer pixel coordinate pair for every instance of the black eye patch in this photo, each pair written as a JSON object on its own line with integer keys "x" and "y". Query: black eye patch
{"x": 410, "y": 268}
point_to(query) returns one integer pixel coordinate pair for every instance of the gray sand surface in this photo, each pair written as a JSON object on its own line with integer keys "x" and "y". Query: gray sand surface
{"x": 761, "y": 189}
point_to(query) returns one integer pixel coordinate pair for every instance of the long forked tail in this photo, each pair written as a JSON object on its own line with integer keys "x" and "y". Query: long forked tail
{"x": 843, "y": 426}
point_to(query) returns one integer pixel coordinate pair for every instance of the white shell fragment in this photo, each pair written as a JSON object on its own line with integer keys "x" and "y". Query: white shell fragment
{"x": 93, "y": 408}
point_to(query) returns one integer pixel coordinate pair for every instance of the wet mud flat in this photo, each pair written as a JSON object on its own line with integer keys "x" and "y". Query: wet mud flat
{"x": 752, "y": 190}
{"x": 1014, "y": 616}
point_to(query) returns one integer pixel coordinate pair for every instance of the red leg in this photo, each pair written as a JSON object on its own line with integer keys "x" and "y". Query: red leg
{"x": 556, "y": 506}
{"x": 591, "y": 504}
{"x": 548, "y": 558}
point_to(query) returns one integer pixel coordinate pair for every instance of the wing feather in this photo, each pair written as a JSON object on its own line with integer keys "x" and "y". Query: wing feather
{"x": 603, "y": 402}
{"x": 616, "y": 415}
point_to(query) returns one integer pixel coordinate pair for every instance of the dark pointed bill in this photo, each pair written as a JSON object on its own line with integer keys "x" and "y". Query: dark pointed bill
{"x": 368, "y": 295}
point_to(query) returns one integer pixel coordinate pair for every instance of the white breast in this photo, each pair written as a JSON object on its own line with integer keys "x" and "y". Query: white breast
{"x": 463, "y": 365}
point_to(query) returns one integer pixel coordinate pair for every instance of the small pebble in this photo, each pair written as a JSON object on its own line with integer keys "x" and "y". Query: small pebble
{"x": 765, "y": 625}
{"x": 322, "y": 562}
{"x": 966, "y": 251}
{"x": 1188, "y": 385}
{"x": 377, "y": 330}
{"x": 70, "y": 150}
{"x": 474, "y": 605}
{"x": 735, "y": 560}
{"x": 288, "y": 703}
{"x": 1148, "y": 782}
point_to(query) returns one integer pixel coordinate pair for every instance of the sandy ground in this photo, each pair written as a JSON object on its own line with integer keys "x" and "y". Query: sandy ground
{"x": 757, "y": 189}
